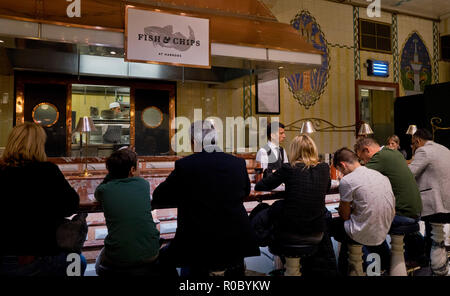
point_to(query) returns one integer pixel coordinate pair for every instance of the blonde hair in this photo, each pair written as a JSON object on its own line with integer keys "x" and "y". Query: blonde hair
{"x": 26, "y": 143}
{"x": 303, "y": 150}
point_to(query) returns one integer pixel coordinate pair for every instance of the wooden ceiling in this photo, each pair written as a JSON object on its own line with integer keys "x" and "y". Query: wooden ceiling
{"x": 239, "y": 22}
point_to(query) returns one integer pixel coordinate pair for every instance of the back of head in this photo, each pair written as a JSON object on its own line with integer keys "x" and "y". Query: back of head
{"x": 26, "y": 143}
{"x": 275, "y": 126}
{"x": 423, "y": 134}
{"x": 303, "y": 150}
{"x": 365, "y": 142}
{"x": 344, "y": 155}
{"x": 120, "y": 162}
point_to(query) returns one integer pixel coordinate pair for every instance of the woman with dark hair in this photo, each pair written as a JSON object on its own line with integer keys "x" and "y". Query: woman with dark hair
{"x": 36, "y": 198}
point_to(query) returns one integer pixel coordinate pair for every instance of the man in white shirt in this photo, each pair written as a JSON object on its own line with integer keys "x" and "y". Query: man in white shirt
{"x": 366, "y": 208}
{"x": 269, "y": 155}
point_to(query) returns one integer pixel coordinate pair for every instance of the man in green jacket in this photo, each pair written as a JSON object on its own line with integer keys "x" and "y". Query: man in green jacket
{"x": 408, "y": 203}
{"x": 132, "y": 243}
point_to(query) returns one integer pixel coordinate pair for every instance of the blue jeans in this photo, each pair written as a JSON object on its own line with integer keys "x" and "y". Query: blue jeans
{"x": 41, "y": 266}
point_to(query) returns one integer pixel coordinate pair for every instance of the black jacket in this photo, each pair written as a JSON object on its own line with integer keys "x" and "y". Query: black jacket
{"x": 213, "y": 226}
{"x": 35, "y": 198}
{"x": 303, "y": 208}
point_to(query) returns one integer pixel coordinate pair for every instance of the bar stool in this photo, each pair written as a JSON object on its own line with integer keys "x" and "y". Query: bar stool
{"x": 397, "y": 233}
{"x": 438, "y": 253}
{"x": 294, "y": 247}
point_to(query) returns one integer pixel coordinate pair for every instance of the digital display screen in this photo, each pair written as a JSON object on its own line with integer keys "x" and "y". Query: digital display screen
{"x": 378, "y": 68}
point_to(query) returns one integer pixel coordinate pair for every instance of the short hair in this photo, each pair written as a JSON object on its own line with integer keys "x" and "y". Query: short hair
{"x": 120, "y": 162}
{"x": 344, "y": 154}
{"x": 423, "y": 134}
{"x": 363, "y": 142}
{"x": 269, "y": 128}
{"x": 203, "y": 134}
{"x": 303, "y": 150}
{"x": 26, "y": 143}
{"x": 394, "y": 138}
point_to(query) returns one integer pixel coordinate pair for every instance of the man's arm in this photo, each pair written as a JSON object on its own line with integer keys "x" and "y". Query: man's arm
{"x": 262, "y": 158}
{"x": 419, "y": 162}
{"x": 346, "y": 193}
{"x": 166, "y": 194}
{"x": 345, "y": 210}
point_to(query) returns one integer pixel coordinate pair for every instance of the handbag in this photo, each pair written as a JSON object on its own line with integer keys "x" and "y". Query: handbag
{"x": 71, "y": 234}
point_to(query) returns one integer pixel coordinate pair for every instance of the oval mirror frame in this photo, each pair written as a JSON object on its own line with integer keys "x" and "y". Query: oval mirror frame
{"x": 40, "y": 105}
{"x": 150, "y": 125}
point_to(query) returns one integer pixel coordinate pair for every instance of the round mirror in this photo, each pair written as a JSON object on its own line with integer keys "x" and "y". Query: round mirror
{"x": 152, "y": 117}
{"x": 45, "y": 114}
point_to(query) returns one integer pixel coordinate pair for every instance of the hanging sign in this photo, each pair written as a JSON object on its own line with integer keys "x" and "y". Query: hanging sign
{"x": 166, "y": 38}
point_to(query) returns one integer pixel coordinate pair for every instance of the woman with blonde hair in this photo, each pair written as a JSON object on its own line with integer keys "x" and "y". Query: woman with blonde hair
{"x": 393, "y": 142}
{"x": 36, "y": 198}
{"x": 302, "y": 210}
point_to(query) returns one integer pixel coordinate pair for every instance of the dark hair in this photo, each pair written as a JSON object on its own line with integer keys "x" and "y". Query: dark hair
{"x": 362, "y": 142}
{"x": 423, "y": 134}
{"x": 269, "y": 128}
{"x": 120, "y": 162}
{"x": 344, "y": 154}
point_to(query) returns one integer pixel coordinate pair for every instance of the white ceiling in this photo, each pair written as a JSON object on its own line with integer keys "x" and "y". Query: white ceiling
{"x": 427, "y": 8}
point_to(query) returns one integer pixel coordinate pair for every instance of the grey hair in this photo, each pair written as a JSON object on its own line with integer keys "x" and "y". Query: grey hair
{"x": 203, "y": 133}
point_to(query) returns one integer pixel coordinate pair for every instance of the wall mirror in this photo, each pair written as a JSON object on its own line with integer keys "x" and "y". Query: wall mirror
{"x": 45, "y": 114}
{"x": 152, "y": 117}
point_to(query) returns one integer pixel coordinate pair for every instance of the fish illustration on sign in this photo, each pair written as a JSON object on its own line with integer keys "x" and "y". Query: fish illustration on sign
{"x": 164, "y": 37}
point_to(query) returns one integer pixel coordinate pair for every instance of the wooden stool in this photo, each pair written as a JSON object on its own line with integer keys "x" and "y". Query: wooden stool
{"x": 293, "y": 248}
{"x": 355, "y": 262}
{"x": 438, "y": 254}
{"x": 398, "y": 266}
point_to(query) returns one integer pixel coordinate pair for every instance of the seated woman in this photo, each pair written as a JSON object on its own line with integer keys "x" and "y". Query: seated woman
{"x": 302, "y": 211}
{"x": 132, "y": 243}
{"x": 35, "y": 200}
{"x": 393, "y": 142}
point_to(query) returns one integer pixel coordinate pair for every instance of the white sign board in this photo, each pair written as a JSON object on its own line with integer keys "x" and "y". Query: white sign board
{"x": 166, "y": 38}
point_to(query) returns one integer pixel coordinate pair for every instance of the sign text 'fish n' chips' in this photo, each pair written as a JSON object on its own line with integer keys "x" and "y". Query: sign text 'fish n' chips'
{"x": 166, "y": 38}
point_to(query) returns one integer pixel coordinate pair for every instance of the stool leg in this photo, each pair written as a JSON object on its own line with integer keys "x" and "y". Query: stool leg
{"x": 438, "y": 254}
{"x": 398, "y": 267}
{"x": 355, "y": 260}
{"x": 292, "y": 267}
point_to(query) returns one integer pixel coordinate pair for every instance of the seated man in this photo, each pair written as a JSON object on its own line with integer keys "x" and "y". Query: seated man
{"x": 207, "y": 188}
{"x": 133, "y": 240}
{"x": 408, "y": 204}
{"x": 366, "y": 208}
{"x": 431, "y": 167}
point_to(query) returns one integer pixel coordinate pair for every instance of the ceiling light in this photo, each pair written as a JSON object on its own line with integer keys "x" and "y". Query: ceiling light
{"x": 113, "y": 52}
{"x": 1, "y": 41}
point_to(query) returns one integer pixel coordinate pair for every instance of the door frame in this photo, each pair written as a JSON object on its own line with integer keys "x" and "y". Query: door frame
{"x": 387, "y": 86}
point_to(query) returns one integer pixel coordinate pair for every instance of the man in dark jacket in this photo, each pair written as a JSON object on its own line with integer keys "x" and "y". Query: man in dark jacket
{"x": 208, "y": 188}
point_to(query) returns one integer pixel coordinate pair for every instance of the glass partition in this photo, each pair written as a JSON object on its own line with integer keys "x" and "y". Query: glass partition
{"x": 109, "y": 108}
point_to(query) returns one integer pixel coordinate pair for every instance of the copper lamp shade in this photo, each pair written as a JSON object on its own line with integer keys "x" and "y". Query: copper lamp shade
{"x": 85, "y": 125}
{"x": 412, "y": 129}
{"x": 307, "y": 128}
{"x": 365, "y": 130}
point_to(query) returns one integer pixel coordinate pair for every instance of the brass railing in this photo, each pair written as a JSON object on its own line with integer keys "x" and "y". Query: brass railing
{"x": 434, "y": 124}
{"x": 320, "y": 125}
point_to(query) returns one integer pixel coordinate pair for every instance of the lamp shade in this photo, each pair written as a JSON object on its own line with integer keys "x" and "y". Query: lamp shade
{"x": 85, "y": 124}
{"x": 365, "y": 129}
{"x": 412, "y": 129}
{"x": 307, "y": 128}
